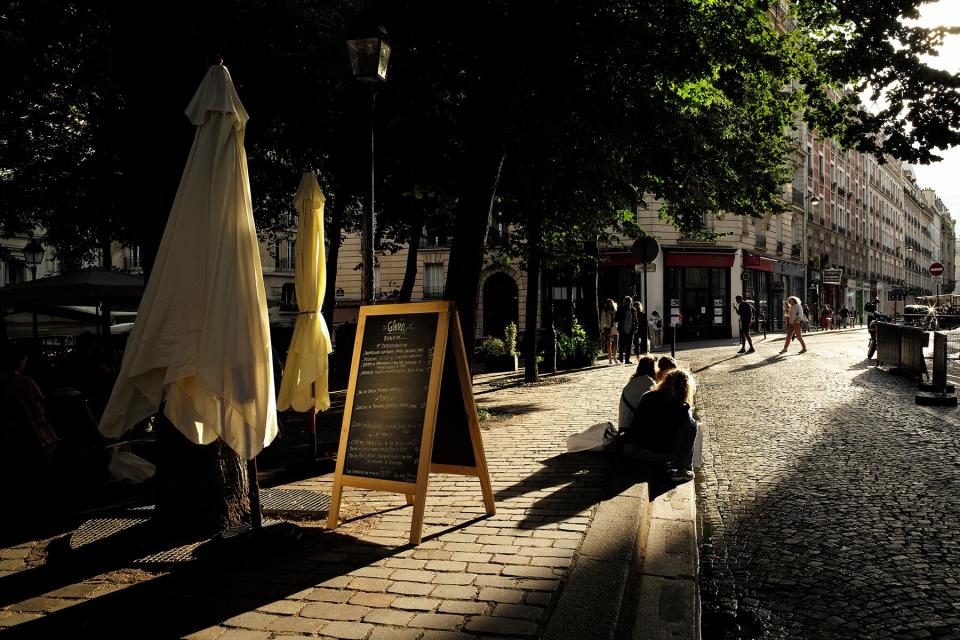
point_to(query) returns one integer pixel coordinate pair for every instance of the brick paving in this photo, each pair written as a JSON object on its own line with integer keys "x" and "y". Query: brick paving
{"x": 473, "y": 575}
{"x": 829, "y": 502}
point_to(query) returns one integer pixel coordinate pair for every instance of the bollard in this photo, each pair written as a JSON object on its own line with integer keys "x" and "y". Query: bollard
{"x": 673, "y": 341}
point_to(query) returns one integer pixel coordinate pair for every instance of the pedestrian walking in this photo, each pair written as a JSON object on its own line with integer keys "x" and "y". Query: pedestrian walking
{"x": 608, "y": 329}
{"x": 656, "y": 330}
{"x": 795, "y": 318}
{"x": 745, "y": 311}
{"x": 844, "y": 316}
{"x": 626, "y": 324}
{"x": 641, "y": 333}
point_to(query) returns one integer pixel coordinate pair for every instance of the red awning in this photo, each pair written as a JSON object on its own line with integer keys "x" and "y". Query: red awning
{"x": 757, "y": 263}
{"x": 618, "y": 259}
{"x": 699, "y": 259}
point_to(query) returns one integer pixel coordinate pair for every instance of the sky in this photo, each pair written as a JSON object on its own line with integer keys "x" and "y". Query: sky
{"x": 944, "y": 176}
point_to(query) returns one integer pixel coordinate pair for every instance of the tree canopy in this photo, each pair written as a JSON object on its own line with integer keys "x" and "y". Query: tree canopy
{"x": 690, "y": 100}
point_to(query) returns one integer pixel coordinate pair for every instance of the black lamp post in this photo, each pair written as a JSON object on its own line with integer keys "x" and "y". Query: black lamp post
{"x": 33, "y": 257}
{"x": 369, "y": 55}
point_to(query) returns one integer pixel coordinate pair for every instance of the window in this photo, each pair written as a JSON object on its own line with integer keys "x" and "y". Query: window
{"x": 284, "y": 252}
{"x": 433, "y": 280}
{"x": 131, "y": 259}
{"x": 288, "y": 297}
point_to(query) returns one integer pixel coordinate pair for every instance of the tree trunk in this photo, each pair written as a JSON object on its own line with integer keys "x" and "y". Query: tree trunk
{"x": 530, "y": 370}
{"x": 333, "y": 232}
{"x": 201, "y": 490}
{"x": 413, "y": 255}
{"x": 588, "y": 308}
{"x": 470, "y": 240}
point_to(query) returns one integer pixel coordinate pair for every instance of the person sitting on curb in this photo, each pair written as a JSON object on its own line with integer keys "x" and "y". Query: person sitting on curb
{"x": 664, "y": 424}
{"x": 640, "y": 382}
{"x": 665, "y": 364}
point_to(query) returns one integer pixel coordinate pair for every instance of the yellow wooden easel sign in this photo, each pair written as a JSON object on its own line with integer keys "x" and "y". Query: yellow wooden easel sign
{"x": 410, "y": 409}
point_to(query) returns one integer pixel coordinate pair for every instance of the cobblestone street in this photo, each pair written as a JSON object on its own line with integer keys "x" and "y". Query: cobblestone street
{"x": 829, "y": 501}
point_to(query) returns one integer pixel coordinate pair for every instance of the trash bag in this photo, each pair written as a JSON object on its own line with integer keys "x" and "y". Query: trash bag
{"x": 129, "y": 467}
{"x": 593, "y": 438}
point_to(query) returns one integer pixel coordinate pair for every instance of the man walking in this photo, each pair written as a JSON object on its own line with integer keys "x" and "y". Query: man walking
{"x": 745, "y": 311}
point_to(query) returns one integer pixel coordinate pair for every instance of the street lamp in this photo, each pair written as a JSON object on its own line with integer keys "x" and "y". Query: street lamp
{"x": 814, "y": 200}
{"x": 369, "y": 54}
{"x": 33, "y": 257}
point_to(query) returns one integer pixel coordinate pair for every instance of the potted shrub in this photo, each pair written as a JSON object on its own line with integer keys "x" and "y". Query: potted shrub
{"x": 500, "y": 354}
{"x": 575, "y": 350}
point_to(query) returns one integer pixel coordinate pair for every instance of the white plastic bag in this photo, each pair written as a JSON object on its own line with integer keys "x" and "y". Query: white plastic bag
{"x": 129, "y": 467}
{"x": 593, "y": 438}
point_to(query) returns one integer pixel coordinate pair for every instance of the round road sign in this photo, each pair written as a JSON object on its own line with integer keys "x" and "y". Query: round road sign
{"x": 645, "y": 249}
{"x": 745, "y": 276}
{"x": 936, "y": 269}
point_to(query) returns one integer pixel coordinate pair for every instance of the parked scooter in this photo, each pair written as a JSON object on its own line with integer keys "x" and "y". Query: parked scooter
{"x": 872, "y": 319}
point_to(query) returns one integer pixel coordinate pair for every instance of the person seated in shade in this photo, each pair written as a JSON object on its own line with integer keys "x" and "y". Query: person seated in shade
{"x": 26, "y": 434}
{"x": 664, "y": 424}
{"x": 640, "y": 382}
{"x": 665, "y": 364}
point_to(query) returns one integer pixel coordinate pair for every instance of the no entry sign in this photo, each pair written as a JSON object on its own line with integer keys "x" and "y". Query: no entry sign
{"x": 936, "y": 269}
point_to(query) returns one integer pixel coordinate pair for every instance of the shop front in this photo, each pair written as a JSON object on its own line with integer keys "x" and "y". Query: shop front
{"x": 697, "y": 292}
{"x": 758, "y": 287}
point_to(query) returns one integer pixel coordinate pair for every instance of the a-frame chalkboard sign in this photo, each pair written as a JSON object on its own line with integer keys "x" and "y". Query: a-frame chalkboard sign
{"x": 409, "y": 409}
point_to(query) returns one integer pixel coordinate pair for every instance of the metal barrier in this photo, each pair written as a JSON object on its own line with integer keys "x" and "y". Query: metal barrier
{"x": 939, "y": 376}
{"x": 888, "y": 343}
{"x": 912, "y": 342}
{"x": 902, "y": 347}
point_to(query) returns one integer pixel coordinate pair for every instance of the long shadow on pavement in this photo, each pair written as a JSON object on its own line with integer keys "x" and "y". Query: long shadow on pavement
{"x": 587, "y": 478}
{"x": 207, "y": 592}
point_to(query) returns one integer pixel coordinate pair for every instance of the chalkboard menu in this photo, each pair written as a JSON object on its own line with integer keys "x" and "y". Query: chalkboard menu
{"x": 390, "y": 398}
{"x": 409, "y": 409}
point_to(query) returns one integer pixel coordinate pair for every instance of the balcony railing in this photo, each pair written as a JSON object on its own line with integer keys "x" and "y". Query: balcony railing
{"x": 433, "y": 292}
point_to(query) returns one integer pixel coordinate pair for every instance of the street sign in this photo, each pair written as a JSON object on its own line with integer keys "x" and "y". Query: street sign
{"x": 936, "y": 269}
{"x": 832, "y": 276}
{"x": 645, "y": 249}
{"x": 745, "y": 276}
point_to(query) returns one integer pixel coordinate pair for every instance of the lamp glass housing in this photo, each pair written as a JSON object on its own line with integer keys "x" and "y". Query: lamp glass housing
{"x": 369, "y": 58}
{"x": 33, "y": 253}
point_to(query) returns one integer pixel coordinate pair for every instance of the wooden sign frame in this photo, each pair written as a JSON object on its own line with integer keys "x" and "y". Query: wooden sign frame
{"x": 448, "y": 335}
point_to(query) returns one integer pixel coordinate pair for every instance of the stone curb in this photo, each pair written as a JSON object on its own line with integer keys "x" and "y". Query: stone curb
{"x": 668, "y": 602}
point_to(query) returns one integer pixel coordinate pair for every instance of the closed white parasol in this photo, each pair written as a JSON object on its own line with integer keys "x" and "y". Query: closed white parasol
{"x": 201, "y": 342}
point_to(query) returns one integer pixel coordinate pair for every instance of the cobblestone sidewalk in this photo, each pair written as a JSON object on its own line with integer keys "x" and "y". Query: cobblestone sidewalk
{"x": 473, "y": 576}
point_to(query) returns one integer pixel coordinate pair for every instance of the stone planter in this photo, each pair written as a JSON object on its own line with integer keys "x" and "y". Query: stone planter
{"x": 500, "y": 363}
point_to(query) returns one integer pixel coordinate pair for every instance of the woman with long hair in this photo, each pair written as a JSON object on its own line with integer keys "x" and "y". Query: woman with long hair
{"x": 664, "y": 424}
{"x": 795, "y": 320}
{"x": 608, "y": 329}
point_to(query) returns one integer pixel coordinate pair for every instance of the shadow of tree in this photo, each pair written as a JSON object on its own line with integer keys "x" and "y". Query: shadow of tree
{"x": 854, "y": 537}
{"x": 228, "y": 582}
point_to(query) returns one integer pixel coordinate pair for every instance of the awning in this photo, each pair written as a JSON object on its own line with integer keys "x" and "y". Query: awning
{"x": 699, "y": 259}
{"x": 758, "y": 263}
{"x": 618, "y": 259}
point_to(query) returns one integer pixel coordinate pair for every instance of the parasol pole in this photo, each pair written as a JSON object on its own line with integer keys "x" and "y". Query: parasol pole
{"x": 313, "y": 417}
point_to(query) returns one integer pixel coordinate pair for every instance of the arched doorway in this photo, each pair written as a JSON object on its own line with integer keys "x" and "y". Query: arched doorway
{"x": 500, "y": 304}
